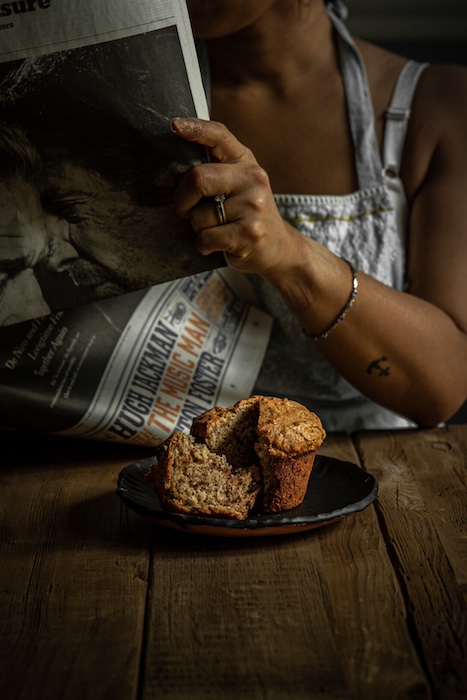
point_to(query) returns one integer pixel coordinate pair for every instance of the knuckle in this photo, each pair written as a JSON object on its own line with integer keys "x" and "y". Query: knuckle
{"x": 258, "y": 208}
{"x": 224, "y": 133}
{"x": 194, "y": 219}
{"x": 258, "y": 181}
{"x": 256, "y": 231}
{"x": 199, "y": 176}
{"x": 249, "y": 156}
{"x": 199, "y": 218}
{"x": 226, "y": 138}
{"x": 259, "y": 176}
{"x": 204, "y": 243}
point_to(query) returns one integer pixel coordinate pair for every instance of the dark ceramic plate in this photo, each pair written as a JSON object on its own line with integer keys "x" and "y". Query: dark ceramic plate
{"x": 335, "y": 489}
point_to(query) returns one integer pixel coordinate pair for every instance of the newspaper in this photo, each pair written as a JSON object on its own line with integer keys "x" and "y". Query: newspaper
{"x": 112, "y": 326}
{"x": 88, "y": 160}
{"x": 133, "y": 369}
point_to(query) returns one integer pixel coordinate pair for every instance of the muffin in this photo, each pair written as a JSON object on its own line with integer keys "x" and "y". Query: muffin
{"x": 189, "y": 478}
{"x": 258, "y": 453}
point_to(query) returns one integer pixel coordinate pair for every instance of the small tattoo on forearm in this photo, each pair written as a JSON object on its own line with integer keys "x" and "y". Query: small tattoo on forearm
{"x": 376, "y": 365}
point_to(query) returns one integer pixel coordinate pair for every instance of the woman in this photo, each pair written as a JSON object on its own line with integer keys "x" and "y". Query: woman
{"x": 300, "y": 111}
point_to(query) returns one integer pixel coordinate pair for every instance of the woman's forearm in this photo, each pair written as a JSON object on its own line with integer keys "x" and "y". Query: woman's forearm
{"x": 399, "y": 350}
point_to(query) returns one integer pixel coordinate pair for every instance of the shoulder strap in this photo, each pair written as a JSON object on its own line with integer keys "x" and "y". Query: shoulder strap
{"x": 359, "y": 106}
{"x": 397, "y": 115}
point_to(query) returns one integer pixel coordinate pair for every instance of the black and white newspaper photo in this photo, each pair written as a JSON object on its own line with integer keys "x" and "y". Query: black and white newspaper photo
{"x": 88, "y": 161}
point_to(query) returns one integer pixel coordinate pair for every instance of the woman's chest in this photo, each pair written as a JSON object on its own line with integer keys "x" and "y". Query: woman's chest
{"x": 304, "y": 145}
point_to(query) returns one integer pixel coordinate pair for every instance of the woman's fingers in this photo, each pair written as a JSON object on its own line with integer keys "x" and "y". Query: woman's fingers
{"x": 223, "y": 145}
{"x": 203, "y": 182}
{"x": 212, "y": 240}
{"x": 253, "y": 237}
{"x": 231, "y": 166}
{"x": 212, "y": 235}
{"x": 205, "y": 215}
{"x": 234, "y": 170}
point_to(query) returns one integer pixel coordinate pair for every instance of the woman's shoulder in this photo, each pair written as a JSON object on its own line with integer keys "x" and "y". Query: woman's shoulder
{"x": 436, "y": 126}
{"x": 438, "y": 111}
{"x": 441, "y": 89}
{"x": 382, "y": 68}
{"x": 443, "y": 92}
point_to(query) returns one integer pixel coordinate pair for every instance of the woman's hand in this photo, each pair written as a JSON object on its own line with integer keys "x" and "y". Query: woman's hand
{"x": 254, "y": 239}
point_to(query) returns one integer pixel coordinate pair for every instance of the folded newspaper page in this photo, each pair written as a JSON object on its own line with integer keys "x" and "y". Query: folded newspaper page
{"x": 112, "y": 327}
{"x": 136, "y": 368}
{"x": 88, "y": 160}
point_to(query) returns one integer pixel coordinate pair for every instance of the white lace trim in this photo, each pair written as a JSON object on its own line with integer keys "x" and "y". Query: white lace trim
{"x": 318, "y": 199}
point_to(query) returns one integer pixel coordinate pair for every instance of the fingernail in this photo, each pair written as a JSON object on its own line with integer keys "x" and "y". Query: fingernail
{"x": 180, "y": 124}
{"x": 175, "y": 123}
{"x": 188, "y": 128}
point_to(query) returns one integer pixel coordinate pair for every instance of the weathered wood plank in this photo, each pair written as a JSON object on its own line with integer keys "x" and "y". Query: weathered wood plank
{"x": 422, "y": 509}
{"x": 74, "y": 574}
{"x": 288, "y": 617}
{"x": 370, "y": 622}
{"x": 239, "y": 619}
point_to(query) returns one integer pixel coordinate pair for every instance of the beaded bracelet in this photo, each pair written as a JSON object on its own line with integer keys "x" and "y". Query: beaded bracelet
{"x": 343, "y": 314}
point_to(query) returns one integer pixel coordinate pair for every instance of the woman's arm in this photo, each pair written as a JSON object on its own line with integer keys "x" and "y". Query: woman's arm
{"x": 406, "y": 351}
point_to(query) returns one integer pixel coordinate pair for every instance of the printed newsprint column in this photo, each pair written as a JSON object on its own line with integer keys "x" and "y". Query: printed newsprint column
{"x": 88, "y": 161}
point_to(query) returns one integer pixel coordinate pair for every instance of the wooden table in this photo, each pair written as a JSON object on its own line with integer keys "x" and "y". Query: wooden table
{"x": 97, "y": 602}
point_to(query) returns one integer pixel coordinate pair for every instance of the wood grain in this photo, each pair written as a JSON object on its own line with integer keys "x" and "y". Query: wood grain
{"x": 370, "y": 621}
{"x": 239, "y": 620}
{"x": 73, "y": 577}
{"x": 421, "y": 505}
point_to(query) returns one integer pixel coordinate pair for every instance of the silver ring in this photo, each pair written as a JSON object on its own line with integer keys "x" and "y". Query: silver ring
{"x": 219, "y": 200}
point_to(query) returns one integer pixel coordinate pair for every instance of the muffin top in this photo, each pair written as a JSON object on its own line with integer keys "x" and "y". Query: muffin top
{"x": 287, "y": 427}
